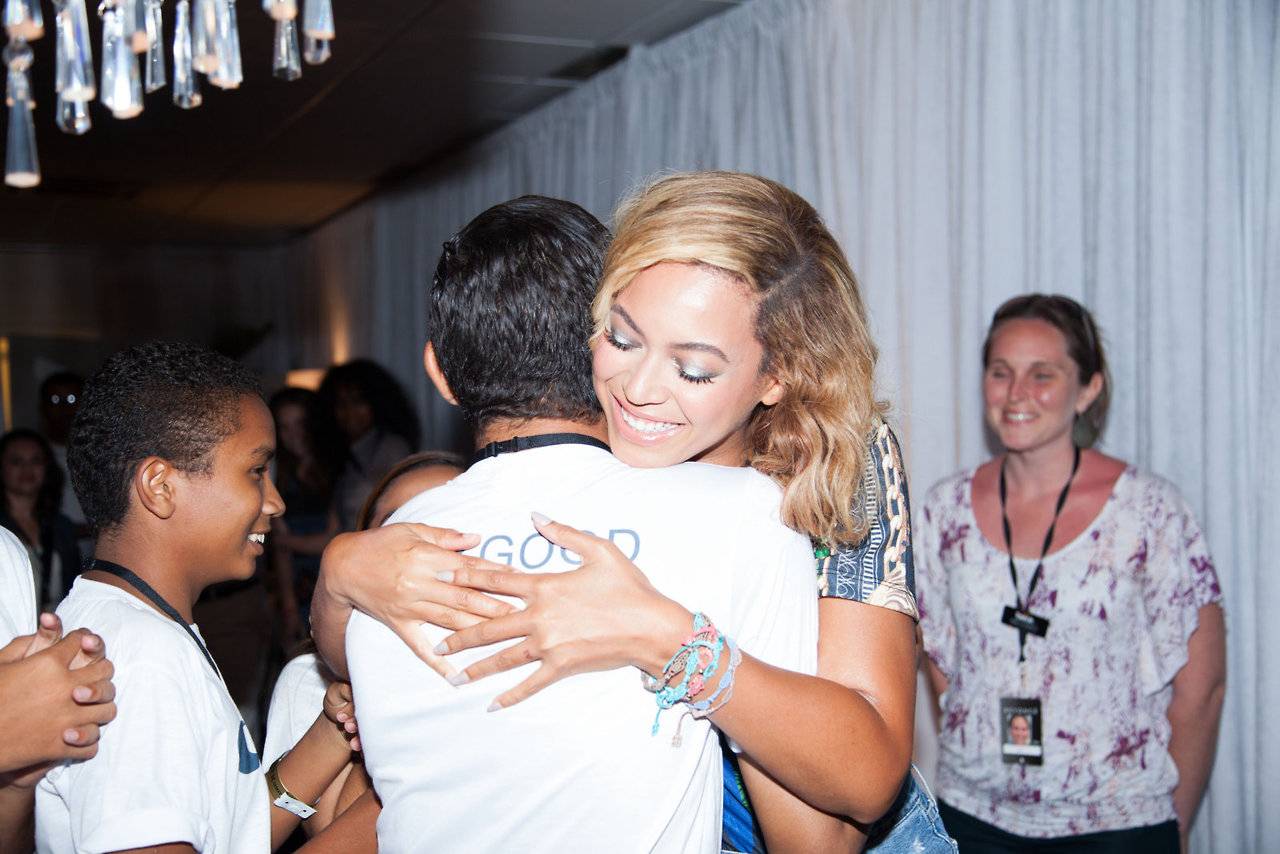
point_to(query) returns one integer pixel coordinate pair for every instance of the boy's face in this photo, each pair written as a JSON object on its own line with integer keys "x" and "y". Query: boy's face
{"x": 226, "y": 514}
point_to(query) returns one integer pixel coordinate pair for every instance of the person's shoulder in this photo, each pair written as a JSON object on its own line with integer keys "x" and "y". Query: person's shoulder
{"x": 14, "y": 561}
{"x": 732, "y": 483}
{"x": 952, "y": 490}
{"x": 135, "y": 633}
{"x": 425, "y": 506}
{"x": 1154, "y": 497}
{"x": 302, "y": 671}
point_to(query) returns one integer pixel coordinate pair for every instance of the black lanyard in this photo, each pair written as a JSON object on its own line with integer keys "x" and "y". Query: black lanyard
{"x": 525, "y": 443}
{"x": 131, "y": 578}
{"x": 1048, "y": 541}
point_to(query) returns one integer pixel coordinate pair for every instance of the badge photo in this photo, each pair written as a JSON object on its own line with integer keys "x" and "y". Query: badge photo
{"x": 1020, "y": 738}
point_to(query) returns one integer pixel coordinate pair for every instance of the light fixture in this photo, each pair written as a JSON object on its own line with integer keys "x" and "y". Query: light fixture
{"x": 21, "y": 162}
{"x": 206, "y": 39}
{"x": 186, "y": 87}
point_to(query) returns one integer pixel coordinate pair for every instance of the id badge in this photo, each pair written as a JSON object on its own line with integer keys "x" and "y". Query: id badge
{"x": 1025, "y": 621}
{"x": 1021, "y": 725}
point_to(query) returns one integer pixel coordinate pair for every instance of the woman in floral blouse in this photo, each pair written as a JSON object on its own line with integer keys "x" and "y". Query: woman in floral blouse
{"x": 1080, "y": 680}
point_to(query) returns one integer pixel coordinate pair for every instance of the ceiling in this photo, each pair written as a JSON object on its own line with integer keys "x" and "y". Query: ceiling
{"x": 409, "y": 82}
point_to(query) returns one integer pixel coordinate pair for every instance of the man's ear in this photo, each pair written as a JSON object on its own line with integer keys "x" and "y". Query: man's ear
{"x": 436, "y": 375}
{"x": 153, "y": 484}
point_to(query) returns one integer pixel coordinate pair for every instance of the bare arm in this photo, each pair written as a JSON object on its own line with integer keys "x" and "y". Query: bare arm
{"x": 937, "y": 685}
{"x": 1195, "y": 711}
{"x": 859, "y": 715}
{"x": 352, "y": 832}
{"x": 17, "y": 817}
{"x": 319, "y": 761}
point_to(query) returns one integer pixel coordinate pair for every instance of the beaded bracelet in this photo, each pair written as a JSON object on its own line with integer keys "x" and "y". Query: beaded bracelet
{"x": 724, "y": 691}
{"x": 695, "y": 662}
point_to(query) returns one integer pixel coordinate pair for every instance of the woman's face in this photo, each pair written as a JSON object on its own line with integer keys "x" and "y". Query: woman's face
{"x": 352, "y": 412}
{"x": 291, "y": 424}
{"x": 677, "y": 369}
{"x": 1031, "y": 385}
{"x": 22, "y": 468}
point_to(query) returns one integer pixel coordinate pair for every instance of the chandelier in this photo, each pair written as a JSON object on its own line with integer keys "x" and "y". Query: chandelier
{"x": 206, "y": 40}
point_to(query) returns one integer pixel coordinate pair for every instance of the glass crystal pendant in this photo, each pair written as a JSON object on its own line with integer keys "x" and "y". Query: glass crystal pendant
{"x": 317, "y": 19}
{"x": 155, "y": 53}
{"x": 74, "y": 53}
{"x": 285, "y": 61}
{"x": 73, "y": 116}
{"x": 316, "y": 51}
{"x": 186, "y": 88}
{"x": 21, "y": 162}
{"x": 227, "y": 74}
{"x": 133, "y": 13}
{"x": 204, "y": 26}
{"x": 23, "y": 19}
{"x": 281, "y": 10}
{"x": 121, "y": 79}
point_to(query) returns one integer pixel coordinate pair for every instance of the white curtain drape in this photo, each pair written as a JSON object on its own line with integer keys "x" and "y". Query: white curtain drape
{"x": 1127, "y": 154}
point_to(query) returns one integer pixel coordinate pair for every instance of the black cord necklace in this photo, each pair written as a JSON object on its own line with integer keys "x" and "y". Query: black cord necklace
{"x": 1019, "y": 617}
{"x": 525, "y": 443}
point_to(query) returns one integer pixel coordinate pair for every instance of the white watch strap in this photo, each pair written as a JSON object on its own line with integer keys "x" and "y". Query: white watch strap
{"x": 295, "y": 806}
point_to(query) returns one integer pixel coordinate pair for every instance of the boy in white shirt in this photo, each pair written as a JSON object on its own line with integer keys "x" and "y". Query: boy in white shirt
{"x": 169, "y": 456}
{"x": 575, "y": 768}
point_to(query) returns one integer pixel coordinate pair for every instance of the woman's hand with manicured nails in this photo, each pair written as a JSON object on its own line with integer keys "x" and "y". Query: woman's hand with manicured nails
{"x": 601, "y": 616}
{"x": 391, "y": 574}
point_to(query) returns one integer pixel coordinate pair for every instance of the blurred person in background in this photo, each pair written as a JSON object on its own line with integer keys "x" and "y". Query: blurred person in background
{"x": 309, "y": 457}
{"x": 60, "y": 395}
{"x": 29, "y": 507}
{"x": 375, "y": 418}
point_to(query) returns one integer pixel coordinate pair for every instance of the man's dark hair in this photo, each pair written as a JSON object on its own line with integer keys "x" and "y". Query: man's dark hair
{"x": 170, "y": 400}
{"x": 510, "y": 314}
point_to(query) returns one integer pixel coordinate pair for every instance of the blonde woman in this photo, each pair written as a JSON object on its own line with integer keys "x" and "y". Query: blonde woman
{"x": 729, "y": 331}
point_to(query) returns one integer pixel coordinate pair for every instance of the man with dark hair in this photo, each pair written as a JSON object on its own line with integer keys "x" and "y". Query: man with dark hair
{"x": 576, "y": 767}
{"x": 509, "y": 319}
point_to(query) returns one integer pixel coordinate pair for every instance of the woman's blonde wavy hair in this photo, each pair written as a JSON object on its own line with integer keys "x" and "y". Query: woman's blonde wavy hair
{"x": 811, "y": 322}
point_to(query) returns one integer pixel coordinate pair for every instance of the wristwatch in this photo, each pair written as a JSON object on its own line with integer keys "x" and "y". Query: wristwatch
{"x": 281, "y": 797}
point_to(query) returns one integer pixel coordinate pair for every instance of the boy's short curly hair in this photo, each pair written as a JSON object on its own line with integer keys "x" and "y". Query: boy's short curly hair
{"x": 171, "y": 400}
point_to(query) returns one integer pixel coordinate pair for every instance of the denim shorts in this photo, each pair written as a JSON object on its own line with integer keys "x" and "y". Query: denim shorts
{"x": 914, "y": 826}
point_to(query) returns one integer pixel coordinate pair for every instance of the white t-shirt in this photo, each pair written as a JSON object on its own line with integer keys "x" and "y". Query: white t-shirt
{"x": 575, "y": 767}
{"x": 176, "y": 765}
{"x": 297, "y": 700}
{"x": 17, "y": 589}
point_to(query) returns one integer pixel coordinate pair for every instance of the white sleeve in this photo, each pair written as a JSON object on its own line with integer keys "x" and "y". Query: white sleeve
{"x": 296, "y": 701}
{"x": 147, "y": 785}
{"x": 17, "y": 589}
{"x": 775, "y": 594}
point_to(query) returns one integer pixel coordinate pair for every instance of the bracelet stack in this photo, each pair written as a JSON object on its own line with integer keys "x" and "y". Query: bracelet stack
{"x": 687, "y": 672}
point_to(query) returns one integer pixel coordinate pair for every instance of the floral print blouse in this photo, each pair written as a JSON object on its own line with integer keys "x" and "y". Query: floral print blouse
{"x": 1123, "y": 600}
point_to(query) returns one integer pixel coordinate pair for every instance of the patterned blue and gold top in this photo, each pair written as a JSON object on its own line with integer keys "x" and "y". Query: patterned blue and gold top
{"x": 879, "y": 569}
